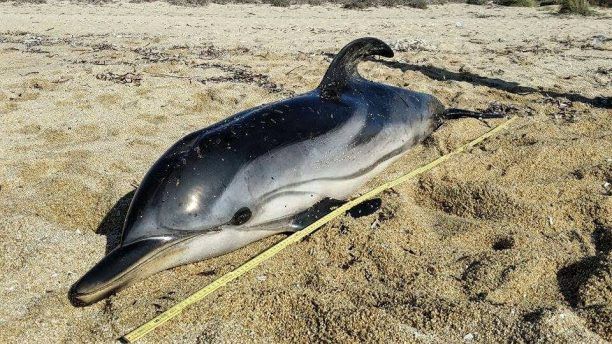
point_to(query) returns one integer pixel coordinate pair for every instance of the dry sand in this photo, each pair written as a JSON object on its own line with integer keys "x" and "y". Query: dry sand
{"x": 510, "y": 242}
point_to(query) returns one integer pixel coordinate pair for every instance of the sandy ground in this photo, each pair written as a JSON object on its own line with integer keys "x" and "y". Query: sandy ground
{"x": 509, "y": 242}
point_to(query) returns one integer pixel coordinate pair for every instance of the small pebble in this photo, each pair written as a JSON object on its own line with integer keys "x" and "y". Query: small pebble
{"x": 598, "y": 41}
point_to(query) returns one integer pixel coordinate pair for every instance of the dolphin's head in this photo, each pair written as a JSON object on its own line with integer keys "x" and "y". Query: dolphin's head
{"x": 181, "y": 213}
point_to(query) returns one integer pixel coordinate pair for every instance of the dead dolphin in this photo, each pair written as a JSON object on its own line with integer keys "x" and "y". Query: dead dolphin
{"x": 274, "y": 168}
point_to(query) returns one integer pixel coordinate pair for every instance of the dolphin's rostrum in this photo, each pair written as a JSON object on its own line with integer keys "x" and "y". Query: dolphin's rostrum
{"x": 274, "y": 168}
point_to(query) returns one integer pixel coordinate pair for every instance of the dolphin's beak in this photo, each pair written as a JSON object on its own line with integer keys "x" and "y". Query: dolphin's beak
{"x": 119, "y": 268}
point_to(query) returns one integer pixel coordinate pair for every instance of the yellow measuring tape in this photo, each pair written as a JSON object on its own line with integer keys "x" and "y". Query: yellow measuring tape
{"x": 294, "y": 238}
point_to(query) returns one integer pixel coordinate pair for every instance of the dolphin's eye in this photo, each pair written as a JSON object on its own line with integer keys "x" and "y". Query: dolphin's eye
{"x": 241, "y": 216}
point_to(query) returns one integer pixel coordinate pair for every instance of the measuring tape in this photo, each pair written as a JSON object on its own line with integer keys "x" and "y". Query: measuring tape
{"x": 294, "y": 238}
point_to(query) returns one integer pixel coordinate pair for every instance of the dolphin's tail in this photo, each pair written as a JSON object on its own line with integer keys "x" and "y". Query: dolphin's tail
{"x": 440, "y": 115}
{"x": 344, "y": 65}
{"x": 453, "y": 113}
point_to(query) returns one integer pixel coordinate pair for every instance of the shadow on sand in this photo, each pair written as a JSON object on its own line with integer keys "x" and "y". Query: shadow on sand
{"x": 441, "y": 74}
{"x": 571, "y": 278}
{"x": 112, "y": 223}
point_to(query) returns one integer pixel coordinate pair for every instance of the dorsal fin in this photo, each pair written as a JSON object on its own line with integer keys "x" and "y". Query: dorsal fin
{"x": 344, "y": 65}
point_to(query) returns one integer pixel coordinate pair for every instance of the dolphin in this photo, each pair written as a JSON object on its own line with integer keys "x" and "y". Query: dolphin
{"x": 271, "y": 169}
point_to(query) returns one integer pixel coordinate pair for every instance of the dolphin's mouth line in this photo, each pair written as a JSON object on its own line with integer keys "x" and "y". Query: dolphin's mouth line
{"x": 151, "y": 256}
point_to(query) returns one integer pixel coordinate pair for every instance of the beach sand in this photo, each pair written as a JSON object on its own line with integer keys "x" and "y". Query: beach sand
{"x": 509, "y": 242}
